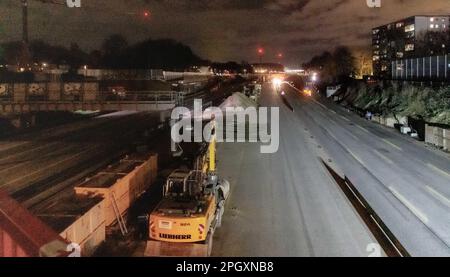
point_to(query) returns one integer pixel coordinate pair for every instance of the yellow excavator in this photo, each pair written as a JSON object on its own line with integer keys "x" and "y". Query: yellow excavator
{"x": 183, "y": 223}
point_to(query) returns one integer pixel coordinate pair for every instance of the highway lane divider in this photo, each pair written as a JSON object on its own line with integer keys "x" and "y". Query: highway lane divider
{"x": 387, "y": 240}
{"x": 393, "y": 145}
{"x": 439, "y": 196}
{"x": 438, "y": 170}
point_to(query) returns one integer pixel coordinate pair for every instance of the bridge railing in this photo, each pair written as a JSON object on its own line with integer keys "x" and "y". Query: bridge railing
{"x": 28, "y": 96}
{"x": 139, "y": 96}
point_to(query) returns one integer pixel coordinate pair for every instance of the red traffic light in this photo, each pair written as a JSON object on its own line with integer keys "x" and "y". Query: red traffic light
{"x": 146, "y": 14}
{"x": 260, "y": 51}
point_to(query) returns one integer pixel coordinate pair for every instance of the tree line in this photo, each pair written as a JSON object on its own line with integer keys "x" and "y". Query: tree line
{"x": 334, "y": 67}
{"x": 115, "y": 52}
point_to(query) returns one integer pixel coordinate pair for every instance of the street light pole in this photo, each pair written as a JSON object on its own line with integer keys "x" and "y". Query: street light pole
{"x": 25, "y": 21}
{"x": 25, "y": 53}
{"x": 260, "y": 53}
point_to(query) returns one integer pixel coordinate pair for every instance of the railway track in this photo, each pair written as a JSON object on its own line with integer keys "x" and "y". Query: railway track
{"x": 31, "y": 175}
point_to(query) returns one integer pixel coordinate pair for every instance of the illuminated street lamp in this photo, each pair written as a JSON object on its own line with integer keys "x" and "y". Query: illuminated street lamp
{"x": 314, "y": 77}
{"x": 277, "y": 82}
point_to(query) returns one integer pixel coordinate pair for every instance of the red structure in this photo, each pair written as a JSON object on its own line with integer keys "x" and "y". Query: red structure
{"x": 24, "y": 235}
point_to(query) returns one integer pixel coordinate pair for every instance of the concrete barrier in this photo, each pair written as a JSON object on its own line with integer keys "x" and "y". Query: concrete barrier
{"x": 437, "y": 136}
{"x": 54, "y": 91}
{"x": 390, "y": 121}
{"x": 20, "y": 92}
{"x": 446, "y": 143}
{"x": 91, "y": 91}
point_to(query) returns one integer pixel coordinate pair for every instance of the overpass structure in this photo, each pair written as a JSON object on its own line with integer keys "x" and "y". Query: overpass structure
{"x": 135, "y": 101}
{"x": 23, "y": 98}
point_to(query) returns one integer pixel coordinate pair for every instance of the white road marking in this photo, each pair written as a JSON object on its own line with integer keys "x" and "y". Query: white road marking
{"x": 345, "y": 118}
{"x": 353, "y": 136}
{"x": 437, "y": 169}
{"x": 362, "y": 128}
{"x": 381, "y": 155}
{"x": 355, "y": 157}
{"x": 322, "y": 113}
{"x": 438, "y": 196}
{"x": 392, "y": 144}
{"x": 409, "y": 205}
{"x": 331, "y": 134}
{"x": 322, "y": 105}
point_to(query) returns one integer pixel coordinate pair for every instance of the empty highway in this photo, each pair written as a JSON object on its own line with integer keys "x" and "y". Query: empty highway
{"x": 288, "y": 201}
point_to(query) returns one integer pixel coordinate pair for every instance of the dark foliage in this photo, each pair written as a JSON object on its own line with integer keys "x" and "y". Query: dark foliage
{"x": 114, "y": 53}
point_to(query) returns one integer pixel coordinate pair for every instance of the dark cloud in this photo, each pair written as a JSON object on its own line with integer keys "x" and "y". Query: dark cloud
{"x": 218, "y": 30}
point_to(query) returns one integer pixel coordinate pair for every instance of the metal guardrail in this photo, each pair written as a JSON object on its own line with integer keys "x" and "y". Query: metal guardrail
{"x": 107, "y": 101}
{"x": 387, "y": 240}
{"x": 140, "y": 96}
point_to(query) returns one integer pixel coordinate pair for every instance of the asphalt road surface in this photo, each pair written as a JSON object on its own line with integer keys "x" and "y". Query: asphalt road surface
{"x": 285, "y": 204}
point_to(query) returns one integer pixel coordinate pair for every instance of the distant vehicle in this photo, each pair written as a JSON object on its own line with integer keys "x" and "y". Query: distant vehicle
{"x": 331, "y": 90}
{"x": 118, "y": 91}
{"x": 307, "y": 92}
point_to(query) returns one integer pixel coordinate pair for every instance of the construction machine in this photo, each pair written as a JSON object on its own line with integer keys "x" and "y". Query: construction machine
{"x": 183, "y": 223}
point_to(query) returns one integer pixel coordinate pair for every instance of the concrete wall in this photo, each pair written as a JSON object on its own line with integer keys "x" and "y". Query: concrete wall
{"x": 49, "y": 91}
{"x": 390, "y": 121}
{"x": 438, "y": 137}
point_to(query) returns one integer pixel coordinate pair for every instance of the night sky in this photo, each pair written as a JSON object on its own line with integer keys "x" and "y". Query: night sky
{"x": 217, "y": 30}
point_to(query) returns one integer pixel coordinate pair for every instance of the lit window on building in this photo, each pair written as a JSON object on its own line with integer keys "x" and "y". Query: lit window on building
{"x": 432, "y": 26}
{"x": 410, "y": 28}
{"x": 399, "y": 25}
{"x": 376, "y": 58}
{"x": 384, "y": 68}
{"x": 375, "y": 31}
{"x": 432, "y": 19}
{"x": 400, "y": 54}
{"x": 409, "y": 47}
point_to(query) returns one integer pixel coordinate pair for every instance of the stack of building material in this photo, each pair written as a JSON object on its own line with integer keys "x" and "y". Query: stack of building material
{"x": 80, "y": 220}
{"x": 121, "y": 184}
